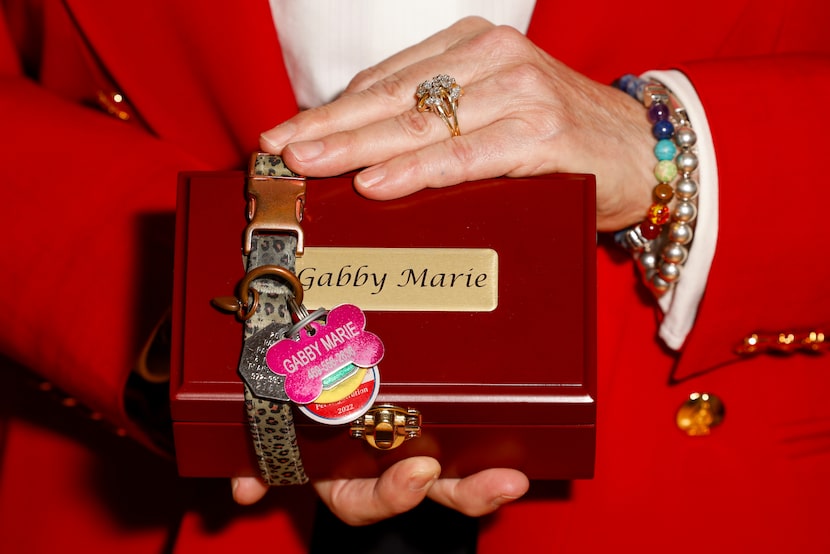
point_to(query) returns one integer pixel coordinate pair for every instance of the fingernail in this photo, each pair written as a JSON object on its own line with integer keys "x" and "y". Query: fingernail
{"x": 370, "y": 177}
{"x": 502, "y": 500}
{"x": 418, "y": 481}
{"x": 279, "y": 136}
{"x": 234, "y": 485}
{"x": 305, "y": 151}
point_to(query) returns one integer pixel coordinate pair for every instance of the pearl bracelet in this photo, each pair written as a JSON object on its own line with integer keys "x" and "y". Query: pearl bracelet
{"x": 660, "y": 243}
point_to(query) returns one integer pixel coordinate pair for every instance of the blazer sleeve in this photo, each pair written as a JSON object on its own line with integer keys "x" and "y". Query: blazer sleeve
{"x": 87, "y": 240}
{"x": 769, "y": 273}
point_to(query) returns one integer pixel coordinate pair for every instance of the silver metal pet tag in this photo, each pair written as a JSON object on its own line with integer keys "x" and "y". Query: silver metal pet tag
{"x": 253, "y": 368}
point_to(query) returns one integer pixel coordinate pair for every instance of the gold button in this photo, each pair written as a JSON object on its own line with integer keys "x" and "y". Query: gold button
{"x": 699, "y": 414}
{"x": 115, "y": 104}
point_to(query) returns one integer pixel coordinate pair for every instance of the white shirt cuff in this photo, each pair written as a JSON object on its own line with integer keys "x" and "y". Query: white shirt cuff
{"x": 680, "y": 304}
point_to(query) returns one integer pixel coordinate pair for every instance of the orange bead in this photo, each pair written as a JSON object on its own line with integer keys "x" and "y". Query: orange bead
{"x": 663, "y": 193}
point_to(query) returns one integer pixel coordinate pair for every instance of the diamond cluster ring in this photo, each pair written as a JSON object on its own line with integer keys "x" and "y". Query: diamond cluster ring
{"x": 440, "y": 95}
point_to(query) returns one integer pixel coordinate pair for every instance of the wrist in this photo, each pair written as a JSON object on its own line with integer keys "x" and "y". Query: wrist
{"x": 632, "y": 179}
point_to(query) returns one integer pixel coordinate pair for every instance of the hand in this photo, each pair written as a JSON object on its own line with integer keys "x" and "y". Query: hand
{"x": 522, "y": 113}
{"x": 402, "y": 487}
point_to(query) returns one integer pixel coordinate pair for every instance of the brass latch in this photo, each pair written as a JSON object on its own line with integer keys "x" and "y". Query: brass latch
{"x": 386, "y": 427}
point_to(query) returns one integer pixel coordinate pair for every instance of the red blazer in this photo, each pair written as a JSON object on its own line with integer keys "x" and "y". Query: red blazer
{"x": 87, "y": 247}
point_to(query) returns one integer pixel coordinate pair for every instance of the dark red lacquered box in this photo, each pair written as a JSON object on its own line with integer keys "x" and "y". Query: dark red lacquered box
{"x": 509, "y": 384}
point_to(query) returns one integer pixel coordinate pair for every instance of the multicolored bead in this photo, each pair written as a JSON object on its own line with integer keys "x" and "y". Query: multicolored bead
{"x": 665, "y": 171}
{"x": 659, "y": 214}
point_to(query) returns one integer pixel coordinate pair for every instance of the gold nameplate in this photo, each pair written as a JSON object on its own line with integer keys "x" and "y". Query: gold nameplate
{"x": 401, "y": 279}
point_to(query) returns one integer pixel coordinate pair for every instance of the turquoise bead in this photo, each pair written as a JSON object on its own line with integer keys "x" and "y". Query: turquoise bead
{"x": 665, "y": 149}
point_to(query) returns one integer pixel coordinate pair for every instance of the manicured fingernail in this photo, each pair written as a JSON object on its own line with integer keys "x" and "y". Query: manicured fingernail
{"x": 279, "y": 136}
{"x": 305, "y": 151}
{"x": 418, "y": 481}
{"x": 370, "y": 177}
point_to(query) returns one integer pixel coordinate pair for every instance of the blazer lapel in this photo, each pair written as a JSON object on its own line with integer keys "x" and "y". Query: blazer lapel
{"x": 208, "y": 80}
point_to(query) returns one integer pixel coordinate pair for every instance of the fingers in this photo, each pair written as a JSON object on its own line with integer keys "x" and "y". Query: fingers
{"x": 415, "y": 151}
{"x": 248, "y": 490}
{"x": 500, "y": 149}
{"x": 385, "y": 99}
{"x": 402, "y": 487}
{"x": 347, "y": 112}
{"x": 481, "y": 493}
{"x": 510, "y": 118}
{"x": 388, "y": 96}
{"x": 364, "y": 501}
{"x": 382, "y": 140}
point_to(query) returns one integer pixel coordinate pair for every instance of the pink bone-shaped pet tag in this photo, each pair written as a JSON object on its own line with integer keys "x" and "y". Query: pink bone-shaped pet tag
{"x": 306, "y": 361}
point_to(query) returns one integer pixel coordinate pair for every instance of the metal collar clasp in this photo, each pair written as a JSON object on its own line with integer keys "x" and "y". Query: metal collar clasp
{"x": 276, "y": 199}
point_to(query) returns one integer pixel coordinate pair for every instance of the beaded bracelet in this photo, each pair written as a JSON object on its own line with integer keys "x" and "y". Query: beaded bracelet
{"x": 660, "y": 242}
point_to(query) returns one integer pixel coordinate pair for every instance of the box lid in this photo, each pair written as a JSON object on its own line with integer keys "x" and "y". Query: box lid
{"x": 532, "y": 353}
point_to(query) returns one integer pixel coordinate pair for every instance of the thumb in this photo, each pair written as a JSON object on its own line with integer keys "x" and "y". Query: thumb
{"x": 248, "y": 490}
